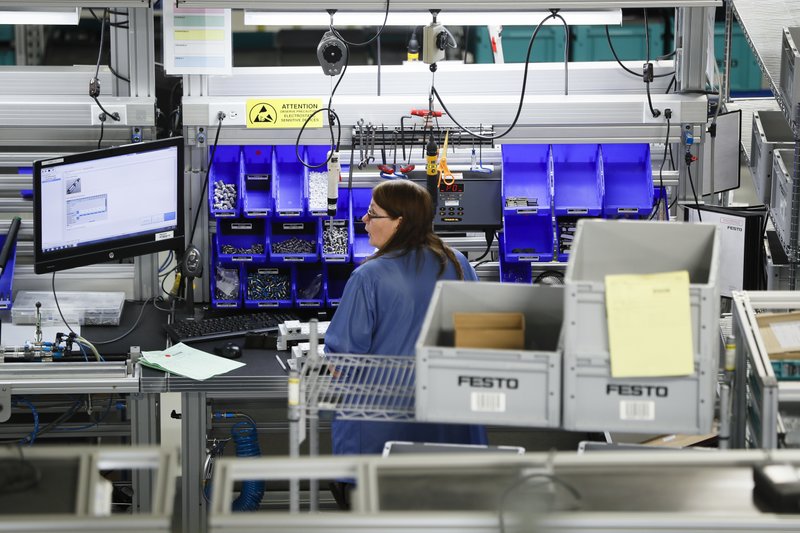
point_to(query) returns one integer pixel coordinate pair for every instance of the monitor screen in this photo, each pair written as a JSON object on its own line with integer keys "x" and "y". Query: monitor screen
{"x": 108, "y": 204}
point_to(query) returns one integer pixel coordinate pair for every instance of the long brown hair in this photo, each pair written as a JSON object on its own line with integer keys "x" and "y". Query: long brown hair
{"x": 403, "y": 198}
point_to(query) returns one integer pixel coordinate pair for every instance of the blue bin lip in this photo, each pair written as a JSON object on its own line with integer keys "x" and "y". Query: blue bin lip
{"x": 526, "y": 257}
{"x": 577, "y": 154}
{"x": 286, "y": 156}
{"x": 247, "y": 155}
{"x": 224, "y": 156}
{"x": 533, "y": 160}
{"x": 631, "y": 197}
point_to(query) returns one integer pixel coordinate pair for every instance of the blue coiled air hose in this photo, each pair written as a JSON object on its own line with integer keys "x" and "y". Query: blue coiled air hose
{"x": 245, "y": 436}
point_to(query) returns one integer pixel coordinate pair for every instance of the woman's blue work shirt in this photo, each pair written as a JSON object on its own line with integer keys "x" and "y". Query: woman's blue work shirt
{"x": 381, "y": 313}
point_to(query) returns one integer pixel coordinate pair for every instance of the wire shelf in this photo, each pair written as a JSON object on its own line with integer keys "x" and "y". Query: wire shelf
{"x": 360, "y": 387}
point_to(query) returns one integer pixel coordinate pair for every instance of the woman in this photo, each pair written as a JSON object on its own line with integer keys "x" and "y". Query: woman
{"x": 384, "y": 304}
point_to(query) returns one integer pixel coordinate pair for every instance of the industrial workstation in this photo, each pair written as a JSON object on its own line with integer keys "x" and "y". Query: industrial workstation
{"x": 366, "y": 265}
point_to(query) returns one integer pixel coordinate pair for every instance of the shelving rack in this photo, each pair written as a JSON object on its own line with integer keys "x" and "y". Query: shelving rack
{"x": 762, "y": 23}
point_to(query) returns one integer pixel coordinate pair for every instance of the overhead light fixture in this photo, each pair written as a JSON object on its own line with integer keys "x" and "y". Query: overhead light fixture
{"x": 448, "y": 18}
{"x": 49, "y": 17}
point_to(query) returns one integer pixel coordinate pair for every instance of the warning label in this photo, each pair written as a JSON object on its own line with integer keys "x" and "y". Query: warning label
{"x": 283, "y": 112}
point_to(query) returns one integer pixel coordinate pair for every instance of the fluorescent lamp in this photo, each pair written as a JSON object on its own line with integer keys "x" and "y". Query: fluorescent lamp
{"x": 50, "y": 17}
{"x": 448, "y": 18}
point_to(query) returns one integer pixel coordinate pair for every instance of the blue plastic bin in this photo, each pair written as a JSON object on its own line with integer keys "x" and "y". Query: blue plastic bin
{"x": 342, "y": 219}
{"x": 335, "y": 278}
{"x": 513, "y": 272}
{"x": 7, "y": 277}
{"x": 225, "y": 172}
{"x": 527, "y": 238}
{"x": 308, "y": 285}
{"x": 242, "y": 240}
{"x": 288, "y": 182}
{"x": 316, "y": 155}
{"x": 223, "y": 294}
{"x": 358, "y": 206}
{"x": 304, "y": 233}
{"x": 257, "y": 181}
{"x": 577, "y": 179}
{"x": 526, "y": 179}
{"x": 267, "y": 285}
{"x": 627, "y": 180}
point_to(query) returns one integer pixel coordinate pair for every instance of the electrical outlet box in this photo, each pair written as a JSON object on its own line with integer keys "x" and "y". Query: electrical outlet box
{"x": 234, "y": 113}
{"x": 431, "y": 53}
{"x": 121, "y": 109}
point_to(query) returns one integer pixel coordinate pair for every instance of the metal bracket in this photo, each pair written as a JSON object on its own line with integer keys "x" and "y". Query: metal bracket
{"x": 5, "y": 402}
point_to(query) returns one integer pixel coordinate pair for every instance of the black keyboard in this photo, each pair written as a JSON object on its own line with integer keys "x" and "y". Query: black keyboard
{"x": 209, "y": 329}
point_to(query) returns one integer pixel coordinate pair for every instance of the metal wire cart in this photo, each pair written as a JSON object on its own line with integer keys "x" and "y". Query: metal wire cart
{"x": 353, "y": 387}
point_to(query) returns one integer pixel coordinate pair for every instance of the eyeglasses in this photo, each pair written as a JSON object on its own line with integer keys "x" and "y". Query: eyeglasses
{"x": 372, "y": 215}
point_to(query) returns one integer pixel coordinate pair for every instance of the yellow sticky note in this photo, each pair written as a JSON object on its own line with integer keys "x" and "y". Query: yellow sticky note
{"x": 649, "y": 325}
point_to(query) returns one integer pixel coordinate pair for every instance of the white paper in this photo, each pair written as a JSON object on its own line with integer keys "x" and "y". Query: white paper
{"x": 787, "y": 333}
{"x": 189, "y": 362}
{"x": 197, "y": 41}
{"x": 731, "y": 258}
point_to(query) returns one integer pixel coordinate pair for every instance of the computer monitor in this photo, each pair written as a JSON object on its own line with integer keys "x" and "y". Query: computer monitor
{"x": 108, "y": 204}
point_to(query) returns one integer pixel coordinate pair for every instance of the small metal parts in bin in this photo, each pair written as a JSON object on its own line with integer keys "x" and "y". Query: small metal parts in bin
{"x": 256, "y": 249}
{"x": 294, "y": 246}
{"x": 224, "y": 195}
{"x": 334, "y": 240}
{"x": 566, "y": 234}
{"x": 317, "y": 191}
{"x": 268, "y": 284}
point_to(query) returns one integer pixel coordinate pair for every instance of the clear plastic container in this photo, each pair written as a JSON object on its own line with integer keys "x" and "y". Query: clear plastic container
{"x": 84, "y": 308}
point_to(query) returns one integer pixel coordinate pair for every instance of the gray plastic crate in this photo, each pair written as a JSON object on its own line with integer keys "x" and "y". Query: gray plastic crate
{"x": 484, "y": 386}
{"x": 790, "y": 67}
{"x": 592, "y": 399}
{"x": 770, "y": 132}
{"x": 780, "y": 206}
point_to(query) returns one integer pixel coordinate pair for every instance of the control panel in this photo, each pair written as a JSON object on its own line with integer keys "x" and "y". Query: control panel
{"x": 470, "y": 201}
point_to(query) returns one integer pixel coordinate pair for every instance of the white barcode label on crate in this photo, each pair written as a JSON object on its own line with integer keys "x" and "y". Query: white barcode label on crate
{"x": 488, "y": 402}
{"x": 637, "y": 410}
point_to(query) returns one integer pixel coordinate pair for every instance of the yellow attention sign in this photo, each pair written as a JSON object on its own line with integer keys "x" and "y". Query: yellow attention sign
{"x": 283, "y": 112}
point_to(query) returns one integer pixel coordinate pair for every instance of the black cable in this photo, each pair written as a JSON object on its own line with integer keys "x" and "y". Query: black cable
{"x": 694, "y": 193}
{"x": 202, "y": 201}
{"x": 332, "y": 118}
{"x": 18, "y": 475}
{"x": 94, "y": 95}
{"x": 521, "y": 97}
{"x": 490, "y": 236}
{"x": 135, "y": 324}
{"x": 655, "y": 112}
{"x": 668, "y": 115}
{"x": 119, "y": 76}
{"x": 566, "y": 50}
{"x": 368, "y": 41}
{"x": 671, "y": 83}
{"x": 554, "y": 273}
{"x": 102, "y": 129}
{"x": 626, "y": 69}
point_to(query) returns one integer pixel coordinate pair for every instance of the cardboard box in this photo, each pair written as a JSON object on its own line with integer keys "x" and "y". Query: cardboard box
{"x": 490, "y": 330}
{"x": 781, "y": 334}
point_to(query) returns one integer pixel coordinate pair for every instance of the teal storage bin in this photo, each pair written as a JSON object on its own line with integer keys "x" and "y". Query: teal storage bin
{"x": 6, "y": 33}
{"x": 7, "y": 57}
{"x": 591, "y": 44}
{"x": 548, "y": 47}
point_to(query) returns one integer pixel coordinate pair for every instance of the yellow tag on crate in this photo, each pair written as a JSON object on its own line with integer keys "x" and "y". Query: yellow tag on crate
{"x": 265, "y": 113}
